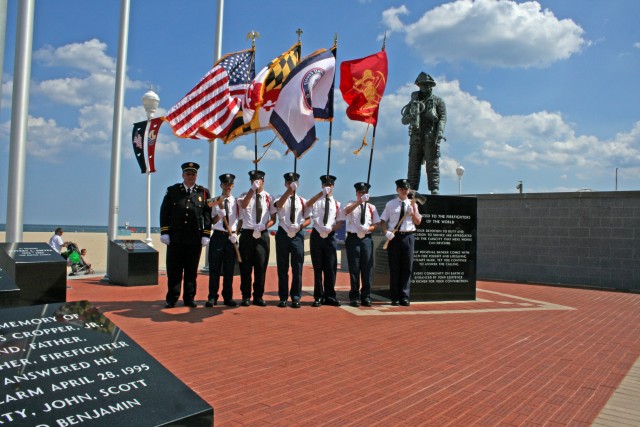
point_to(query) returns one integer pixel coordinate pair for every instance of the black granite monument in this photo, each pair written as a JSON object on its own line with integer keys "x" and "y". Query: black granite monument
{"x": 66, "y": 364}
{"x": 38, "y": 270}
{"x": 444, "y": 258}
{"x": 9, "y": 291}
{"x": 132, "y": 263}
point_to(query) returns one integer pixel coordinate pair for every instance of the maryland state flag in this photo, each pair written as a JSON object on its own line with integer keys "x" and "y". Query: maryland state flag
{"x": 145, "y": 148}
{"x": 362, "y": 83}
{"x": 263, "y": 93}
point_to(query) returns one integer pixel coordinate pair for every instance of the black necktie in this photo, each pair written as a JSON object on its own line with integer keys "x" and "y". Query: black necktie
{"x": 258, "y": 209}
{"x": 325, "y": 218}
{"x": 401, "y": 216}
{"x": 226, "y": 209}
{"x": 363, "y": 212}
{"x": 188, "y": 191}
{"x": 292, "y": 210}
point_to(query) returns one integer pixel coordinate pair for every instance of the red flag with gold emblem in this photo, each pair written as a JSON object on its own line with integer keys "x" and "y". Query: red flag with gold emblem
{"x": 362, "y": 83}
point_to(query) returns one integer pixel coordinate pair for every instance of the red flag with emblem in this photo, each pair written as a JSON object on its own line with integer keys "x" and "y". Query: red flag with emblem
{"x": 362, "y": 83}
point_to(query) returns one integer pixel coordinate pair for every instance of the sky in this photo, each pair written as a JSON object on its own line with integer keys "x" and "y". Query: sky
{"x": 544, "y": 92}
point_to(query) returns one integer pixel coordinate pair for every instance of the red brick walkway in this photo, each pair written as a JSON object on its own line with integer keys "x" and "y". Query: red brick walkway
{"x": 520, "y": 355}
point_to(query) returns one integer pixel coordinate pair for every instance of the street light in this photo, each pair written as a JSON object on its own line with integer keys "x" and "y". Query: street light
{"x": 150, "y": 100}
{"x": 459, "y": 172}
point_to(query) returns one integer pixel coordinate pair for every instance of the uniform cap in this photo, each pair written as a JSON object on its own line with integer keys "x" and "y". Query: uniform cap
{"x": 254, "y": 174}
{"x": 328, "y": 179}
{"x": 190, "y": 166}
{"x": 291, "y": 176}
{"x": 362, "y": 186}
{"x": 402, "y": 183}
{"x": 227, "y": 178}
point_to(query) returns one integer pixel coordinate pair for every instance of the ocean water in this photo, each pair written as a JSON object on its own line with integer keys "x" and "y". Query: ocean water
{"x": 45, "y": 228}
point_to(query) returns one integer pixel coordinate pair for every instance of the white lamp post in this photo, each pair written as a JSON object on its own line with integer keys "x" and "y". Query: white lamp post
{"x": 150, "y": 100}
{"x": 460, "y": 172}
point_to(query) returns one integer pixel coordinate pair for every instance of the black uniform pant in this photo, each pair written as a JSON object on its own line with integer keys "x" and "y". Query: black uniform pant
{"x": 400, "y": 253}
{"x": 360, "y": 259}
{"x": 324, "y": 259}
{"x": 289, "y": 248}
{"x": 222, "y": 260}
{"x": 426, "y": 150}
{"x": 182, "y": 259}
{"x": 255, "y": 258}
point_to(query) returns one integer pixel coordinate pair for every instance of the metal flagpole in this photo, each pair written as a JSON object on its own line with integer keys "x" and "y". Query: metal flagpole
{"x": 19, "y": 121}
{"x": 3, "y": 25}
{"x": 213, "y": 146}
{"x": 116, "y": 135}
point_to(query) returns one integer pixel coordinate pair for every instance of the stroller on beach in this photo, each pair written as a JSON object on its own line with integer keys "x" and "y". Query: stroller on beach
{"x": 74, "y": 260}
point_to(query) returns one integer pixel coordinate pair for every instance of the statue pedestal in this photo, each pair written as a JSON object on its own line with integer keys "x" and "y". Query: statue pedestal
{"x": 444, "y": 259}
{"x": 132, "y": 263}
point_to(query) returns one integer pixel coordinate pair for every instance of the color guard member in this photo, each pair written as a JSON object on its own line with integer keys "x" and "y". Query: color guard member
{"x": 254, "y": 239}
{"x": 222, "y": 251}
{"x": 362, "y": 219}
{"x": 399, "y": 220}
{"x": 323, "y": 245}
{"x": 293, "y": 217}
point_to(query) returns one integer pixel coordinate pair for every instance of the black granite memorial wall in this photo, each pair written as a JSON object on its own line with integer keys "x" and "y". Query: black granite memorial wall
{"x": 9, "y": 291}
{"x": 38, "y": 270}
{"x": 132, "y": 263}
{"x": 67, "y": 364}
{"x": 444, "y": 259}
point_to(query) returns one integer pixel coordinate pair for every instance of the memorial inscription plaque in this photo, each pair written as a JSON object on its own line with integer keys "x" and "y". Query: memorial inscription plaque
{"x": 39, "y": 272}
{"x": 136, "y": 263}
{"x": 444, "y": 257}
{"x": 67, "y": 364}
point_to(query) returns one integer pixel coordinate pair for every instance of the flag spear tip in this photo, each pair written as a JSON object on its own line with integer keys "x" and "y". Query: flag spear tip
{"x": 299, "y": 33}
{"x": 384, "y": 40}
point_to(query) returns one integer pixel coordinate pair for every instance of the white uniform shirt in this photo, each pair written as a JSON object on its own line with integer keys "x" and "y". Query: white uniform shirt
{"x": 284, "y": 212}
{"x": 56, "y": 243}
{"x": 371, "y": 216}
{"x": 218, "y": 211}
{"x": 317, "y": 213}
{"x": 391, "y": 215}
{"x": 248, "y": 214}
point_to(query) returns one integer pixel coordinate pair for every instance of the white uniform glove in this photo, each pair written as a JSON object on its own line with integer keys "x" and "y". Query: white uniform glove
{"x": 165, "y": 239}
{"x": 324, "y": 235}
{"x": 326, "y": 190}
{"x": 362, "y": 228}
{"x": 364, "y": 198}
{"x": 294, "y": 228}
{"x": 326, "y": 229}
{"x": 204, "y": 241}
{"x": 255, "y": 185}
{"x": 293, "y": 186}
{"x": 389, "y": 235}
{"x": 233, "y": 238}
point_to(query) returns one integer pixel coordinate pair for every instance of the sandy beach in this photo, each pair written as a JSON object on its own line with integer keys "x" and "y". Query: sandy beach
{"x": 96, "y": 246}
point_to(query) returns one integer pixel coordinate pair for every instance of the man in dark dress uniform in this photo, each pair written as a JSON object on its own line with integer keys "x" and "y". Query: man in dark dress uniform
{"x": 185, "y": 227}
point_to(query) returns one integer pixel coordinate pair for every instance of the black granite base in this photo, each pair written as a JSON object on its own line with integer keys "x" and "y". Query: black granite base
{"x": 67, "y": 364}
{"x": 444, "y": 259}
{"x": 39, "y": 272}
{"x": 132, "y": 263}
{"x": 9, "y": 291}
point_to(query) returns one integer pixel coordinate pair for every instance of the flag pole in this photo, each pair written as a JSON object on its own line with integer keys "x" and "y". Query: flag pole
{"x": 335, "y": 46}
{"x": 373, "y": 137}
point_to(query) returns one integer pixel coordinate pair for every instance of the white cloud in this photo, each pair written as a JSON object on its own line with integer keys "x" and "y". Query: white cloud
{"x": 636, "y": 45}
{"x": 88, "y": 56}
{"x": 241, "y": 152}
{"x": 492, "y": 33}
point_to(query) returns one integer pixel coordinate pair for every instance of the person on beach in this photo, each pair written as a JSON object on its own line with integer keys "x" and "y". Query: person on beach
{"x": 56, "y": 241}
{"x": 185, "y": 227}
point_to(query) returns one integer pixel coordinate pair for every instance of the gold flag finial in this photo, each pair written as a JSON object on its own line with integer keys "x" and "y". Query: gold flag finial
{"x": 253, "y": 35}
{"x": 335, "y": 40}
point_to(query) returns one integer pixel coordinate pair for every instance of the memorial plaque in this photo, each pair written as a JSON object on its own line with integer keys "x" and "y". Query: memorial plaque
{"x": 444, "y": 258}
{"x": 38, "y": 270}
{"x": 132, "y": 263}
{"x": 66, "y": 364}
{"x": 9, "y": 291}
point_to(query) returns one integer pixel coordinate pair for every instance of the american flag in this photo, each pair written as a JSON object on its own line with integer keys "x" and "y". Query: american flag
{"x": 241, "y": 69}
{"x": 207, "y": 111}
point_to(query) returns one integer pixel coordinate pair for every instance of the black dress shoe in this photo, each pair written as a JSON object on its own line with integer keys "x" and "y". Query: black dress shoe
{"x": 405, "y": 302}
{"x": 354, "y": 303}
{"x": 230, "y": 303}
{"x": 282, "y": 304}
{"x": 366, "y": 302}
{"x": 170, "y": 305}
{"x": 211, "y": 303}
{"x": 260, "y": 302}
{"x": 295, "y": 304}
{"x": 190, "y": 304}
{"x": 333, "y": 302}
{"x": 245, "y": 303}
{"x": 316, "y": 303}
{"x": 394, "y": 302}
